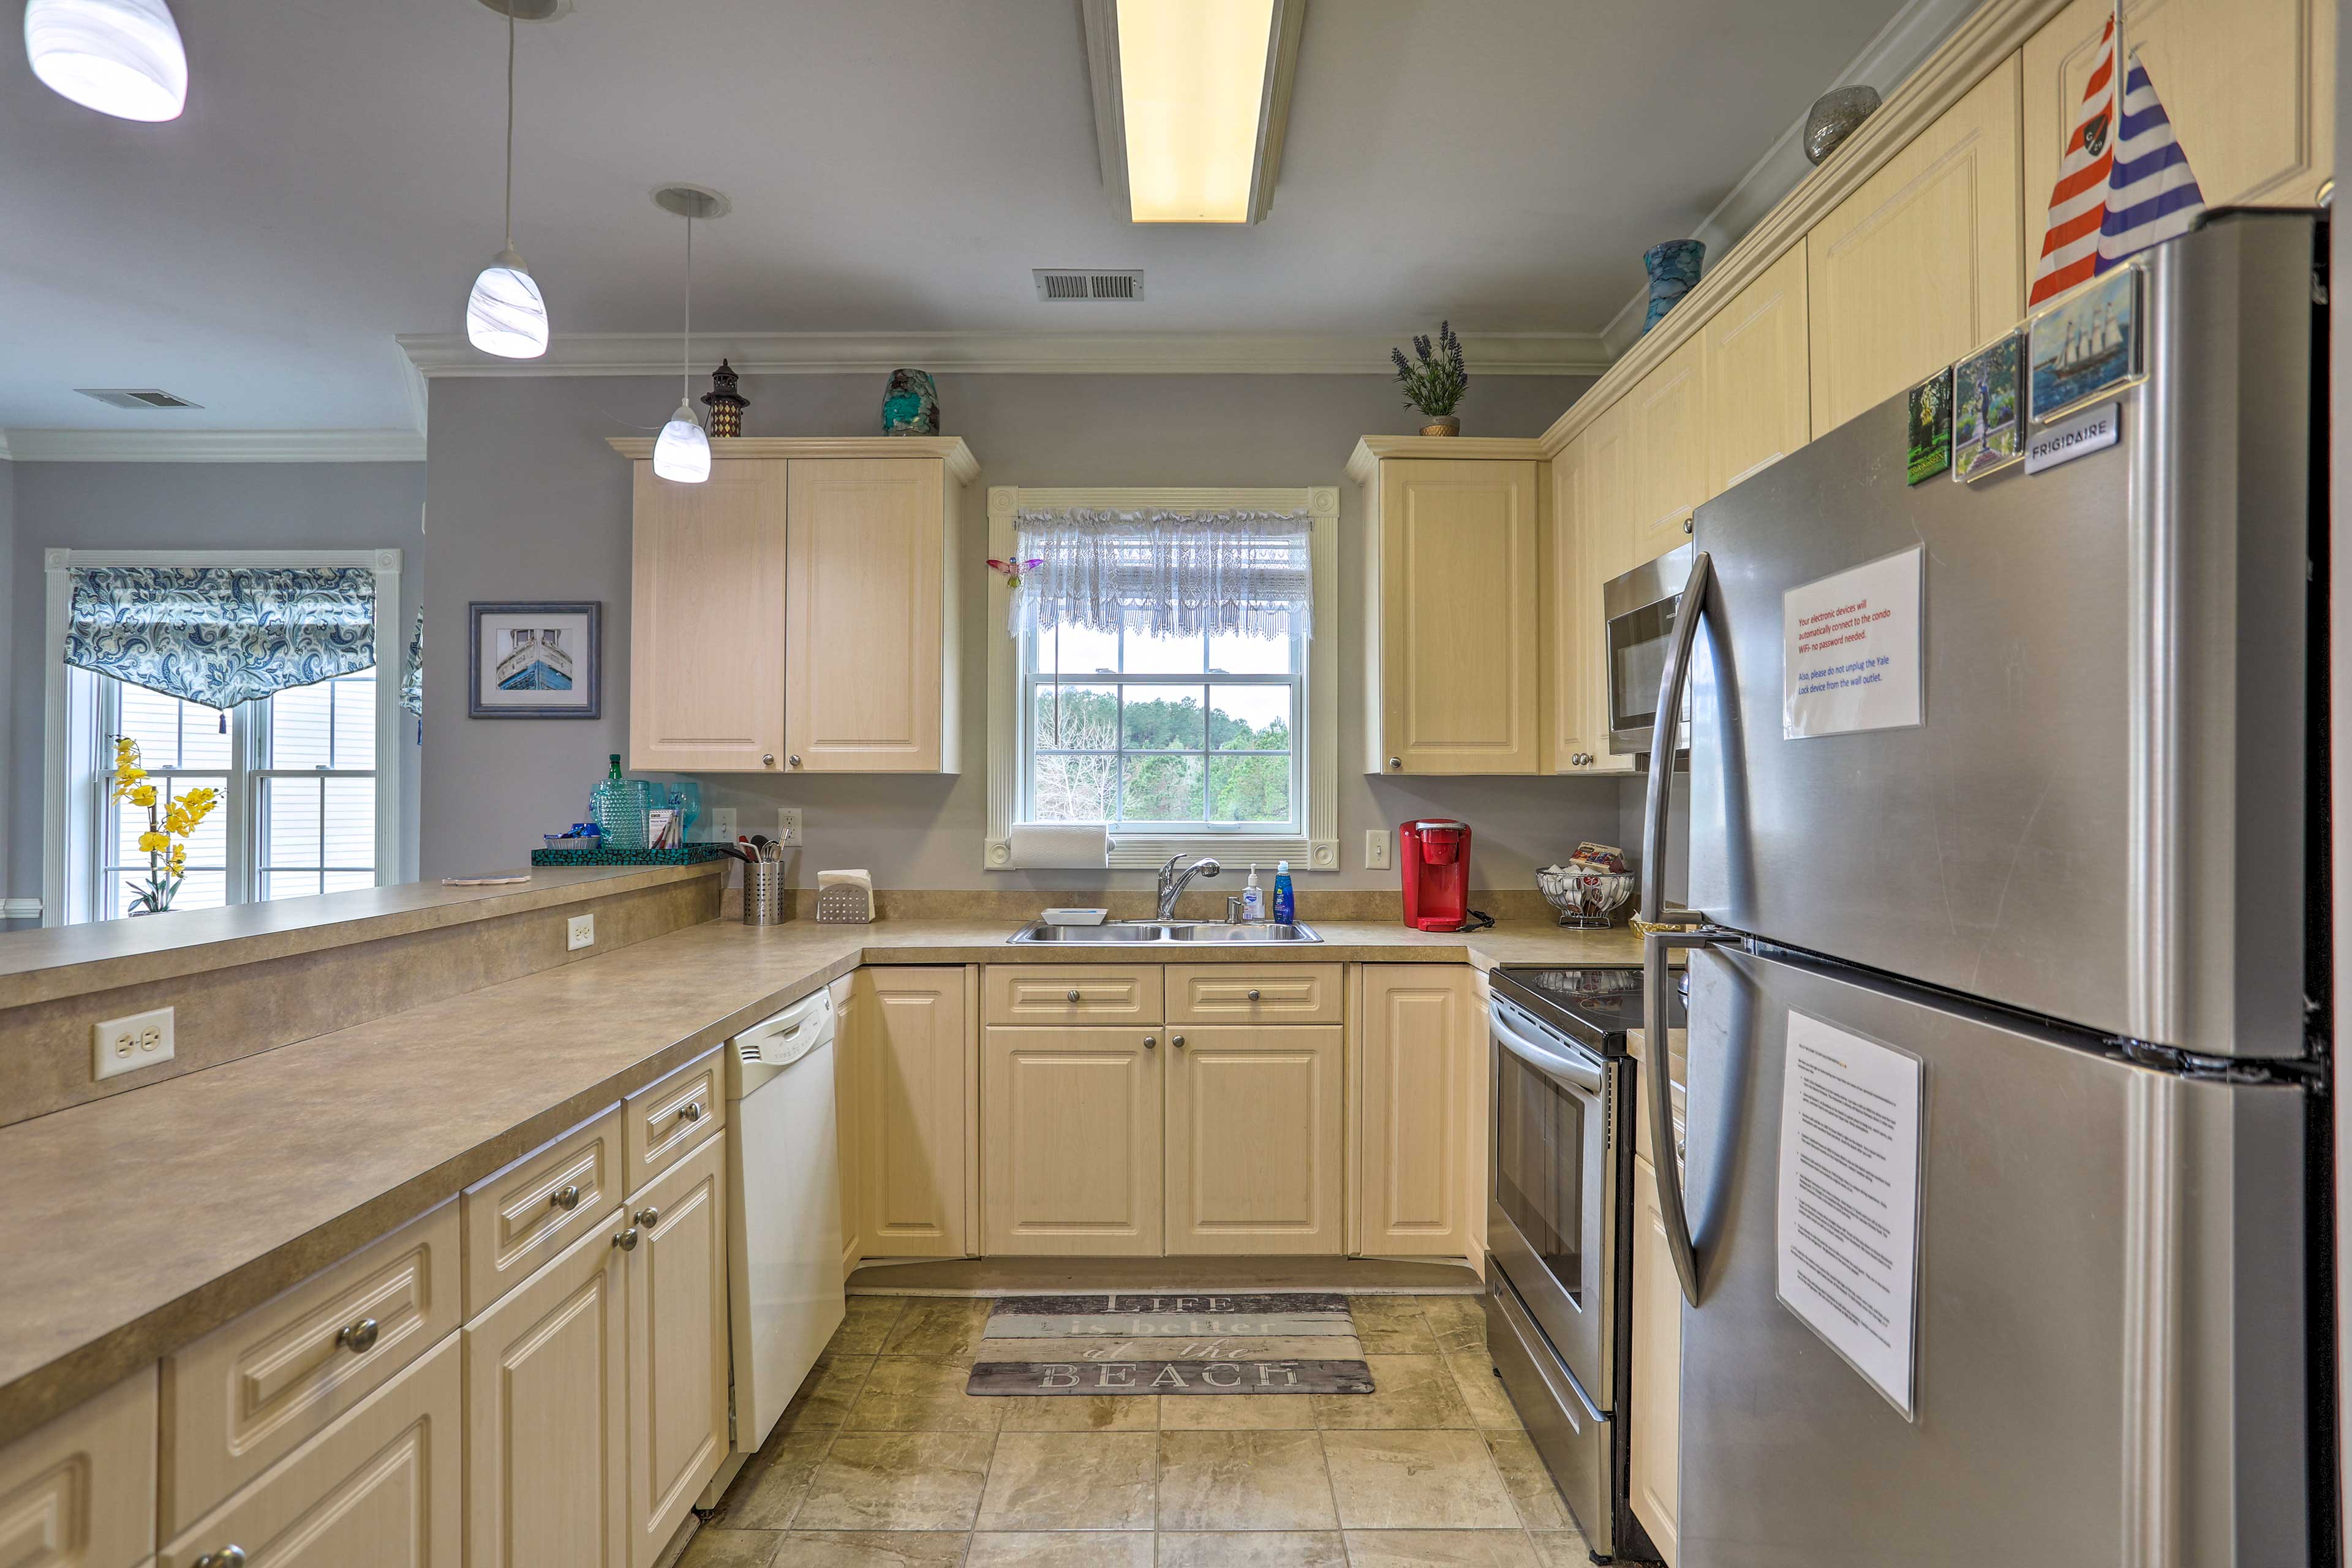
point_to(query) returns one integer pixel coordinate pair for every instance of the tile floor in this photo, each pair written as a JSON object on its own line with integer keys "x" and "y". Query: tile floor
{"x": 883, "y": 1459}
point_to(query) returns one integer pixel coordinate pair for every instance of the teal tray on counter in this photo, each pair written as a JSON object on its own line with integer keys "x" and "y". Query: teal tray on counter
{"x": 685, "y": 855}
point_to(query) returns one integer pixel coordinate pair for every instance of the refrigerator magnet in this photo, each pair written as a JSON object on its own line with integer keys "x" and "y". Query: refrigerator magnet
{"x": 1987, "y": 404}
{"x": 1930, "y": 428}
{"x": 2086, "y": 346}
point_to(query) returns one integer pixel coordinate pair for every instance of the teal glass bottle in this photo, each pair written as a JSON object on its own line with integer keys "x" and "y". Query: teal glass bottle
{"x": 618, "y": 807}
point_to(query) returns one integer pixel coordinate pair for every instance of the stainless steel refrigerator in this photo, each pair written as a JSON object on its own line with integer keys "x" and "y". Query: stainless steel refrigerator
{"x": 2002, "y": 1227}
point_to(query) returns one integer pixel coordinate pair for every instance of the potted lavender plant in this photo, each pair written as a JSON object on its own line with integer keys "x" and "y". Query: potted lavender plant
{"x": 1434, "y": 383}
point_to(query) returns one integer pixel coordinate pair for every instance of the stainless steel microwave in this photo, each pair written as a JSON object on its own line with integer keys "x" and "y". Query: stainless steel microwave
{"x": 1640, "y": 609}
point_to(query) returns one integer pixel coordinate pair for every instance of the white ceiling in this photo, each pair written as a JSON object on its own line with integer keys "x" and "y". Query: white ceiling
{"x": 894, "y": 168}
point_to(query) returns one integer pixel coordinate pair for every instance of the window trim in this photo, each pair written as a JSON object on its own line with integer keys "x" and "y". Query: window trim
{"x": 1319, "y": 740}
{"x": 64, "y": 819}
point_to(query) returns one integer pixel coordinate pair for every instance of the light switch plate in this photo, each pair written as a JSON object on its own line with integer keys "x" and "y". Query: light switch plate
{"x": 125, "y": 1045}
{"x": 1376, "y": 850}
{"x": 788, "y": 826}
{"x": 722, "y": 824}
{"x": 580, "y": 933}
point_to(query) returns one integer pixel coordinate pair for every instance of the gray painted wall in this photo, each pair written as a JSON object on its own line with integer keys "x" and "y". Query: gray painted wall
{"x": 179, "y": 506}
{"x": 528, "y": 502}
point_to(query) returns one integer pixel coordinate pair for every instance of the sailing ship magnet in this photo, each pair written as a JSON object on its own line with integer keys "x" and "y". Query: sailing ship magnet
{"x": 2084, "y": 346}
{"x": 1988, "y": 406}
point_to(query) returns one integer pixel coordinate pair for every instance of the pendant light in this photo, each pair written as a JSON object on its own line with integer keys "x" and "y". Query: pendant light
{"x": 506, "y": 314}
{"x": 121, "y": 58}
{"x": 683, "y": 452}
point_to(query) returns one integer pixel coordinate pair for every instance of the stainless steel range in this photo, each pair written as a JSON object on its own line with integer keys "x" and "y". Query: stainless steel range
{"x": 1560, "y": 1231}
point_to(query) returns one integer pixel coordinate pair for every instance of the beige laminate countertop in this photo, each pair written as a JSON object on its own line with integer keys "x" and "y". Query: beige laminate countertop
{"x": 137, "y": 1223}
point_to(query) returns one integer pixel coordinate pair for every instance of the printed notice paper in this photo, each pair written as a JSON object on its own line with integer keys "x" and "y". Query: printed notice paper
{"x": 1849, "y": 1214}
{"x": 1850, "y": 650}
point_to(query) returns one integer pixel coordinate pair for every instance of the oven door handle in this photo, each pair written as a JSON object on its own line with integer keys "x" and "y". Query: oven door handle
{"x": 1579, "y": 1074}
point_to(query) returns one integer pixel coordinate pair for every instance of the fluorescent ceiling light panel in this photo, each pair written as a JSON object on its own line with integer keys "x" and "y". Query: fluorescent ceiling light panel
{"x": 1194, "y": 76}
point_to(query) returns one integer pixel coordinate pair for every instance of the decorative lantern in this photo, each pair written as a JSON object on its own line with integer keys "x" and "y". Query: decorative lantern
{"x": 726, "y": 403}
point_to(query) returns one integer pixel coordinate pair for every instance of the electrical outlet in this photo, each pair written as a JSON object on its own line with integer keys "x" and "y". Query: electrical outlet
{"x": 126, "y": 1044}
{"x": 580, "y": 933}
{"x": 722, "y": 824}
{"x": 1376, "y": 850}
{"x": 788, "y": 826}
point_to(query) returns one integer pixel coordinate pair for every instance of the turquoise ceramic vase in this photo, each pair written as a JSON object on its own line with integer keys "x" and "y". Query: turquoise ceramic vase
{"x": 911, "y": 406}
{"x": 1674, "y": 268}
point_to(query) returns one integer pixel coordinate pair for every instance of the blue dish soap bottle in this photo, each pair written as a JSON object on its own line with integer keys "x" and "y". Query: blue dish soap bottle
{"x": 1286, "y": 905}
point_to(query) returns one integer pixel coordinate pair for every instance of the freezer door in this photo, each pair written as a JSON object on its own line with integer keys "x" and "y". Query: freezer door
{"x": 2110, "y": 1322}
{"x": 2102, "y": 817}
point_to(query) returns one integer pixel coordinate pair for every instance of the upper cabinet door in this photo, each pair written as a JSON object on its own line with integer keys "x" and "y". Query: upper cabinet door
{"x": 865, "y": 622}
{"x": 1759, "y": 385}
{"x": 1566, "y": 656}
{"x": 1458, "y": 673}
{"x": 706, "y": 621}
{"x": 1924, "y": 261}
{"x": 2248, "y": 86}
{"x": 1606, "y": 549}
{"x": 1669, "y": 414}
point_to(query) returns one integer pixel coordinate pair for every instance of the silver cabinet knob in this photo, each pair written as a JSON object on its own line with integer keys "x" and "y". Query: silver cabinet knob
{"x": 358, "y": 1338}
{"x": 1074, "y": 996}
{"x": 226, "y": 1557}
{"x": 1177, "y": 1041}
{"x": 792, "y": 762}
{"x": 648, "y": 1217}
{"x": 1150, "y": 1042}
{"x": 1581, "y": 760}
{"x": 690, "y": 1111}
{"x": 626, "y": 1240}
{"x": 1396, "y": 762}
{"x": 1252, "y": 996}
{"x": 565, "y": 1197}
{"x": 767, "y": 759}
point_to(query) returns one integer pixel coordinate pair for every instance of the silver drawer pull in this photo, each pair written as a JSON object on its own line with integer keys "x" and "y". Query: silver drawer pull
{"x": 626, "y": 1240}
{"x": 1252, "y": 996}
{"x": 358, "y": 1338}
{"x": 565, "y": 1197}
{"x": 226, "y": 1557}
{"x": 1074, "y": 996}
{"x": 1177, "y": 1041}
{"x": 690, "y": 1111}
{"x": 1150, "y": 1042}
{"x": 648, "y": 1217}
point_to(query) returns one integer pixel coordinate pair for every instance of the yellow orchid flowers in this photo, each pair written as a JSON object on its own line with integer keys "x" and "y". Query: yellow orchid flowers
{"x": 165, "y": 841}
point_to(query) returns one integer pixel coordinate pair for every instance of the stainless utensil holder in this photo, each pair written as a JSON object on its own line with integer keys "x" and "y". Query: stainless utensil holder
{"x": 763, "y": 893}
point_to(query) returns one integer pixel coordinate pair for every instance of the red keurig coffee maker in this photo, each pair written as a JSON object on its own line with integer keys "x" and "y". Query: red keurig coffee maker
{"x": 1434, "y": 855}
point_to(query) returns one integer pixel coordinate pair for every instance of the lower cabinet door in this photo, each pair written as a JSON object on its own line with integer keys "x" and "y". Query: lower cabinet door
{"x": 678, "y": 1345}
{"x": 1071, "y": 1135}
{"x": 1418, "y": 1112}
{"x": 547, "y": 1415}
{"x": 383, "y": 1487}
{"x": 1253, "y": 1140}
{"x": 78, "y": 1491}
{"x": 914, "y": 1060}
{"x": 1655, "y": 1431}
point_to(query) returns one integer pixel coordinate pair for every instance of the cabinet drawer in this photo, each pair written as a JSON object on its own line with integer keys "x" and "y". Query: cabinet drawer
{"x": 526, "y": 1214}
{"x": 79, "y": 1492}
{"x": 248, "y": 1393}
{"x": 381, "y": 1488}
{"x": 1247, "y": 993}
{"x": 1072, "y": 994}
{"x": 668, "y": 1119}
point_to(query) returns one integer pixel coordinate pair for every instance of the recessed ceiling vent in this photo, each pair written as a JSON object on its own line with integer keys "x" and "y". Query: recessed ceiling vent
{"x": 1058, "y": 284}
{"x": 136, "y": 398}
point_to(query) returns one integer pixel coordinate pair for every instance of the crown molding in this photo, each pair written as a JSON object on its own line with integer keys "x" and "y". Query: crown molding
{"x": 961, "y": 466}
{"x": 1910, "y": 36}
{"x": 1364, "y": 461}
{"x": 1007, "y": 353}
{"x": 214, "y": 446}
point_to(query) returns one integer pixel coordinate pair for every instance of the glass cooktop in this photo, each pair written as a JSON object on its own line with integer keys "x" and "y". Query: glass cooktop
{"x": 1594, "y": 1006}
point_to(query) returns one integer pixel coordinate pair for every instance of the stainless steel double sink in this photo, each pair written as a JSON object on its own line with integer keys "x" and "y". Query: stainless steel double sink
{"x": 1167, "y": 933}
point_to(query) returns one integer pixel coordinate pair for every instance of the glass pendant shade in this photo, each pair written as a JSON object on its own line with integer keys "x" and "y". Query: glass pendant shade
{"x": 504, "y": 315}
{"x": 683, "y": 452}
{"x": 121, "y": 58}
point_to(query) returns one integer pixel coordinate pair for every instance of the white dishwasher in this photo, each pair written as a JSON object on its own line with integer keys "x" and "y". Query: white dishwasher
{"x": 784, "y": 1217}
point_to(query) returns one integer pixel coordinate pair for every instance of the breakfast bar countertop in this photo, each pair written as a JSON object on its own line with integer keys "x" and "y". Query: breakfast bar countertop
{"x": 303, "y": 1153}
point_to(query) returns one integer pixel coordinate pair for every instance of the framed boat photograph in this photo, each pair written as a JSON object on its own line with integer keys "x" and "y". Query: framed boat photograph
{"x": 2084, "y": 346}
{"x": 535, "y": 659}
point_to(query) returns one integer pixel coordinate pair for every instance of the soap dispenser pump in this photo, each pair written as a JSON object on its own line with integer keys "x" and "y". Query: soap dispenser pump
{"x": 1252, "y": 897}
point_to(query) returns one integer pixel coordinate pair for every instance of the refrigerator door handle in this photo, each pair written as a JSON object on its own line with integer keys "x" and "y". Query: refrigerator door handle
{"x": 1673, "y": 680}
{"x": 1656, "y": 1069}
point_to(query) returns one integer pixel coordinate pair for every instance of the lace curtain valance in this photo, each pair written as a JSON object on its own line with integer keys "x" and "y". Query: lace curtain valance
{"x": 1170, "y": 573}
{"x": 222, "y": 635}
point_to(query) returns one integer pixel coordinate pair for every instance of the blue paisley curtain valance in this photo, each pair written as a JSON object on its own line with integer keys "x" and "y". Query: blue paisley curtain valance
{"x": 222, "y": 635}
{"x": 412, "y": 674}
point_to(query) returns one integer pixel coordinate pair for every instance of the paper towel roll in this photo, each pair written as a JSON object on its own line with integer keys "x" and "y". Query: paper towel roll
{"x": 1055, "y": 845}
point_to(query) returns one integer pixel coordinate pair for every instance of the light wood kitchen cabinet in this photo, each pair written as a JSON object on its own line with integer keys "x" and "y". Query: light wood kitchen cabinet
{"x": 2248, "y": 86}
{"x": 547, "y": 1415}
{"x": 1655, "y": 1431}
{"x": 918, "y": 1091}
{"x": 673, "y": 1116}
{"x": 1254, "y": 1124}
{"x": 518, "y": 1218}
{"x": 1073, "y": 994}
{"x": 1668, "y": 415}
{"x": 870, "y": 641}
{"x": 1923, "y": 261}
{"x": 849, "y": 1115}
{"x": 1606, "y": 549}
{"x": 78, "y": 1491}
{"x": 1414, "y": 1078}
{"x": 1759, "y": 376}
{"x": 678, "y": 1345}
{"x": 1452, "y": 678}
{"x": 706, "y": 621}
{"x": 382, "y": 1486}
{"x": 1246, "y": 993}
{"x": 1567, "y": 643}
{"x": 1070, "y": 1123}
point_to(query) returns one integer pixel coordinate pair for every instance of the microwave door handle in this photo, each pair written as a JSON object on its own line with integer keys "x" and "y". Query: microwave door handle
{"x": 1570, "y": 1069}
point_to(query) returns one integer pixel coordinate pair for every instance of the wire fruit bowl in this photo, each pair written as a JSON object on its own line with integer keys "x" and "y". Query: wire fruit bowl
{"x": 1587, "y": 900}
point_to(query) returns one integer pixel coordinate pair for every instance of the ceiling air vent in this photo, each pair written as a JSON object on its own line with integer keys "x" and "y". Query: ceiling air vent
{"x": 136, "y": 397}
{"x": 1056, "y": 284}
